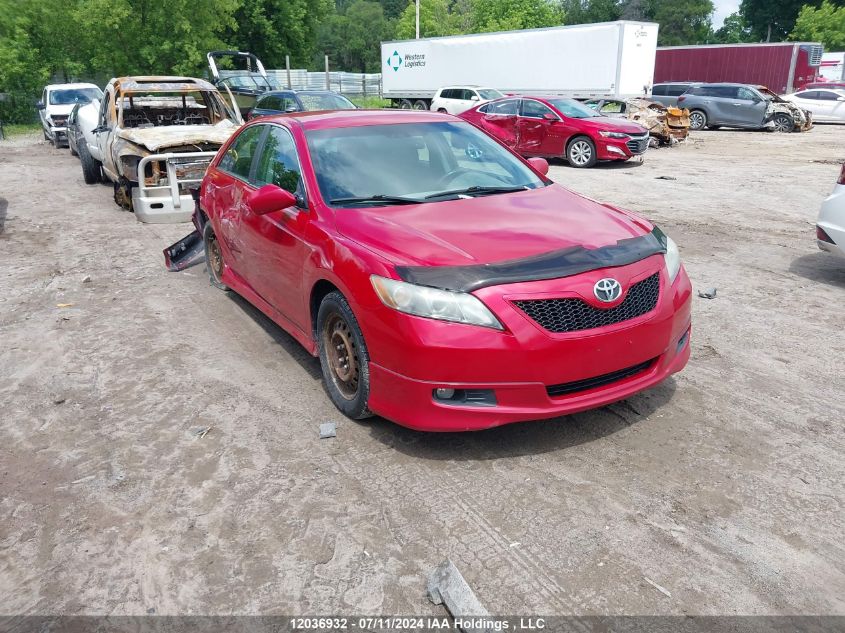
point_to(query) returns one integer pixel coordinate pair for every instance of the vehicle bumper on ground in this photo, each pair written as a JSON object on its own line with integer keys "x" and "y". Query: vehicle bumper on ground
{"x": 170, "y": 200}
{"x": 59, "y": 133}
{"x": 831, "y": 223}
{"x": 621, "y": 149}
{"x": 526, "y": 372}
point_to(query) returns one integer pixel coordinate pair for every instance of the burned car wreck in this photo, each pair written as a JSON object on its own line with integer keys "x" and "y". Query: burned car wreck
{"x": 154, "y": 140}
{"x": 665, "y": 124}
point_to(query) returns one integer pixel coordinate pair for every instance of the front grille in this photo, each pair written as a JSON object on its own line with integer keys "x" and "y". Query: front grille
{"x": 637, "y": 145}
{"x": 597, "y": 381}
{"x": 59, "y": 121}
{"x": 571, "y": 315}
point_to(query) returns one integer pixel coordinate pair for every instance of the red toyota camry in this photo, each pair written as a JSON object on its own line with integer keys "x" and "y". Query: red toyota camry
{"x": 444, "y": 282}
{"x": 559, "y": 128}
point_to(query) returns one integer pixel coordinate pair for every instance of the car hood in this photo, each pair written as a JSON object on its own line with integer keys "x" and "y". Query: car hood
{"x": 59, "y": 110}
{"x": 488, "y": 229}
{"x": 612, "y": 124}
{"x": 156, "y": 138}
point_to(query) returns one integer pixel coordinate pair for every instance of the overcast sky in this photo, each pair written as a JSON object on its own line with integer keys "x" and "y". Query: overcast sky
{"x": 723, "y": 9}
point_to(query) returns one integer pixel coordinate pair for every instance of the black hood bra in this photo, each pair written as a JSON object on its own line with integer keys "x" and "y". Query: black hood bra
{"x": 562, "y": 263}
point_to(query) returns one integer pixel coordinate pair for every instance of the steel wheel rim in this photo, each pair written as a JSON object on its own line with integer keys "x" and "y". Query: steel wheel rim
{"x": 342, "y": 356}
{"x": 580, "y": 153}
{"x": 215, "y": 259}
{"x": 781, "y": 124}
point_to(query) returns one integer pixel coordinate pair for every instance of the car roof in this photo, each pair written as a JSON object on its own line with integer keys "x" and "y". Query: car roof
{"x": 162, "y": 82}
{"x": 677, "y": 83}
{"x": 328, "y": 119}
{"x": 728, "y": 84}
{"x": 287, "y": 91}
{"x": 70, "y": 86}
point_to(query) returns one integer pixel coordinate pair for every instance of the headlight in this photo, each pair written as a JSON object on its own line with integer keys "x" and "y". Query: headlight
{"x": 673, "y": 258}
{"x": 613, "y": 134}
{"x": 432, "y": 303}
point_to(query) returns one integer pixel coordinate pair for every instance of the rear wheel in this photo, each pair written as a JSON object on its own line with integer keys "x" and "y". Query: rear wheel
{"x": 213, "y": 257}
{"x": 343, "y": 357}
{"x": 419, "y": 104}
{"x": 697, "y": 120}
{"x": 405, "y": 104}
{"x": 581, "y": 152}
{"x": 783, "y": 123}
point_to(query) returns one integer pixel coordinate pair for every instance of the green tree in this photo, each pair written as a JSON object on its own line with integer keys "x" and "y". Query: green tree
{"x": 351, "y": 39}
{"x": 733, "y": 31}
{"x": 589, "y": 11}
{"x": 436, "y": 19}
{"x": 509, "y": 15}
{"x": 772, "y": 20}
{"x": 825, "y": 24}
{"x": 681, "y": 22}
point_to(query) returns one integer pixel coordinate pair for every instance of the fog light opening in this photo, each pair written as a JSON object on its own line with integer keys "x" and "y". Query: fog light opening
{"x": 444, "y": 393}
{"x": 465, "y": 397}
{"x": 682, "y": 341}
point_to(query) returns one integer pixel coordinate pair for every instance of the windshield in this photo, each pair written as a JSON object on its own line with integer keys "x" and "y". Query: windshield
{"x": 324, "y": 101}
{"x": 74, "y": 95}
{"x": 573, "y": 109}
{"x": 489, "y": 93}
{"x": 153, "y": 108}
{"x": 413, "y": 161}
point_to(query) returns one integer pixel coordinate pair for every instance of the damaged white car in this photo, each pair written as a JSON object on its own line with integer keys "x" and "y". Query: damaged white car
{"x": 154, "y": 139}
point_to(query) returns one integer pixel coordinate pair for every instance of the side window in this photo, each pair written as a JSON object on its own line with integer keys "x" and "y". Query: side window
{"x": 727, "y": 92}
{"x": 807, "y": 94}
{"x": 278, "y": 164}
{"x": 104, "y": 109}
{"x": 287, "y": 103}
{"x": 676, "y": 90}
{"x": 534, "y": 109}
{"x": 745, "y": 94}
{"x": 659, "y": 90}
{"x": 827, "y": 95}
{"x": 267, "y": 103}
{"x": 483, "y": 109}
{"x": 466, "y": 95}
{"x": 507, "y": 107}
{"x": 238, "y": 158}
{"x": 451, "y": 93}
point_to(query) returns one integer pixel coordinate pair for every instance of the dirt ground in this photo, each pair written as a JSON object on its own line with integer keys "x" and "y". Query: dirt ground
{"x": 724, "y": 485}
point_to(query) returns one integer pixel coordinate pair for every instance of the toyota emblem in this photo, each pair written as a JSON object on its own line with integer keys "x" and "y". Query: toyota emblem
{"x": 607, "y": 290}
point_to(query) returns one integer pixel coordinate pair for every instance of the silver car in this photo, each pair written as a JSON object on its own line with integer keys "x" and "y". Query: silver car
{"x": 742, "y": 106}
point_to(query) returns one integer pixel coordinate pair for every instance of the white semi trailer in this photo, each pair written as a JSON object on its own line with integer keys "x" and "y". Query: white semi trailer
{"x": 608, "y": 59}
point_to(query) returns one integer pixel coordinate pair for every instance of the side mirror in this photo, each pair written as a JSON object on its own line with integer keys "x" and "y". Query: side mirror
{"x": 270, "y": 198}
{"x": 474, "y": 98}
{"x": 539, "y": 164}
{"x": 100, "y": 129}
{"x": 550, "y": 116}
{"x": 39, "y": 105}
{"x": 290, "y": 109}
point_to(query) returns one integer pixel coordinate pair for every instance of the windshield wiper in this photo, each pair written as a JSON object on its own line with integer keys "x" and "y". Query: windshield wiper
{"x": 476, "y": 190}
{"x": 376, "y": 198}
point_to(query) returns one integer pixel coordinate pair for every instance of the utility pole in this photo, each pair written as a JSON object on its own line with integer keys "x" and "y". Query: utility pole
{"x": 418, "y": 19}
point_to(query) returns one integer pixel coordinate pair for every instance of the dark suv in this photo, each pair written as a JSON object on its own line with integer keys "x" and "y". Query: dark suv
{"x": 668, "y": 93}
{"x": 741, "y": 105}
{"x": 282, "y": 101}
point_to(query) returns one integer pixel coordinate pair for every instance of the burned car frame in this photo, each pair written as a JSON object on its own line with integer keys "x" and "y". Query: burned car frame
{"x": 154, "y": 139}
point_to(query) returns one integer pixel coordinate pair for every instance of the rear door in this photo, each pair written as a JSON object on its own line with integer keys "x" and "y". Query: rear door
{"x": 277, "y": 241}
{"x": 500, "y": 118}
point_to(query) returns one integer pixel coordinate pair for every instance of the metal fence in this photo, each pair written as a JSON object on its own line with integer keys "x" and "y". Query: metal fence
{"x": 354, "y": 84}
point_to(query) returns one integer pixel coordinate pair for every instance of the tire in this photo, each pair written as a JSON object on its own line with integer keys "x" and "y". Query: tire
{"x": 581, "y": 152}
{"x": 405, "y": 104}
{"x": 92, "y": 173}
{"x": 419, "y": 104}
{"x": 697, "y": 120}
{"x": 783, "y": 123}
{"x": 214, "y": 263}
{"x": 56, "y": 142}
{"x": 72, "y": 149}
{"x": 343, "y": 357}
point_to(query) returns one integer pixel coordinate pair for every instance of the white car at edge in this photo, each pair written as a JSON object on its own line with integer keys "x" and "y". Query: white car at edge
{"x": 826, "y": 104}
{"x": 830, "y": 228}
{"x": 458, "y": 99}
{"x": 57, "y": 100}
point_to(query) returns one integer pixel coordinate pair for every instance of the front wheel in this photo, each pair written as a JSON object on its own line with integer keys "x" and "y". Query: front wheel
{"x": 404, "y": 104}
{"x": 783, "y": 123}
{"x": 697, "y": 120}
{"x": 344, "y": 360}
{"x": 581, "y": 152}
{"x": 91, "y": 170}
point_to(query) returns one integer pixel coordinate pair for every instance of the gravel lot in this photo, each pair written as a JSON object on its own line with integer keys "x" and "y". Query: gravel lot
{"x": 724, "y": 485}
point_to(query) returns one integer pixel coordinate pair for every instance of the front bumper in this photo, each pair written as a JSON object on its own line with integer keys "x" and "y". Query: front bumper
{"x": 170, "y": 200}
{"x": 621, "y": 149}
{"x": 832, "y": 221}
{"x": 412, "y": 359}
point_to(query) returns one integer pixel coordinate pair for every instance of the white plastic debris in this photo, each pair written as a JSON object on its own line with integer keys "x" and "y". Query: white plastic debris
{"x": 327, "y": 430}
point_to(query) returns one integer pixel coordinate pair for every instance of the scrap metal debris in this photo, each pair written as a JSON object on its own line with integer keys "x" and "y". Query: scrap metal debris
{"x": 327, "y": 430}
{"x": 447, "y": 586}
{"x": 202, "y": 431}
{"x": 665, "y": 178}
{"x": 662, "y": 590}
{"x": 663, "y": 123}
{"x": 710, "y": 293}
{"x": 64, "y": 305}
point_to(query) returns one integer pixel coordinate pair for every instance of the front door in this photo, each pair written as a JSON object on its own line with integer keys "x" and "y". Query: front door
{"x": 749, "y": 107}
{"x": 277, "y": 240}
{"x": 539, "y": 132}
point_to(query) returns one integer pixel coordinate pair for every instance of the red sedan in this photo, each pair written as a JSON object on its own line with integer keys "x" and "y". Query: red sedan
{"x": 444, "y": 282}
{"x": 559, "y": 128}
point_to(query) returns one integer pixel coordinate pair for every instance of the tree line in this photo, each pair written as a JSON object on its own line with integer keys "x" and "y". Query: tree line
{"x": 44, "y": 40}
